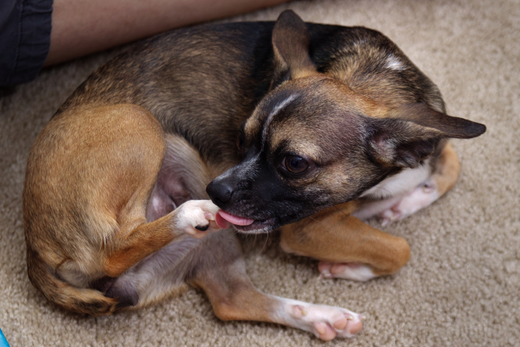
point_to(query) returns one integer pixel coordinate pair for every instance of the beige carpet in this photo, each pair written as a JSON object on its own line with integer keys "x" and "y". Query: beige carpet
{"x": 462, "y": 285}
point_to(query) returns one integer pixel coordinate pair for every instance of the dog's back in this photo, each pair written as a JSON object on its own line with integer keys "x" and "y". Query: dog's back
{"x": 198, "y": 79}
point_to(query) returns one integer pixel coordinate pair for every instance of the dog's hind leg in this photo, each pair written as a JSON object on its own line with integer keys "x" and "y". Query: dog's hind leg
{"x": 89, "y": 177}
{"x": 180, "y": 184}
{"x": 431, "y": 187}
{"x": 347, "y": 247}
{"x": 221, "y": 273}
{"x": 441, "y": 181}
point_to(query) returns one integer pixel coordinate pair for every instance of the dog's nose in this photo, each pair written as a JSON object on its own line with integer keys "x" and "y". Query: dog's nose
{"x": 219, "y": 192}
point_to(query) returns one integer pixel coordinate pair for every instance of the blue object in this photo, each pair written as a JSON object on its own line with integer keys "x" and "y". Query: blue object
{"x": 3, "y": 341}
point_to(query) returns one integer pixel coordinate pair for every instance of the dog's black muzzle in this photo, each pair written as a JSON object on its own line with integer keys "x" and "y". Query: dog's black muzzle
{"x": 252, "y": 190}
{"x": 220, "y": 192}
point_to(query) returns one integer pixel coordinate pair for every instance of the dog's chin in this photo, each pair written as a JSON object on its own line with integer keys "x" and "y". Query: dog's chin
{"x": 257, "y": 227}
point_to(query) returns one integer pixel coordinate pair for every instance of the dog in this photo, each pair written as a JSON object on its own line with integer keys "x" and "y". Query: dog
{"x": 289, "y": 125}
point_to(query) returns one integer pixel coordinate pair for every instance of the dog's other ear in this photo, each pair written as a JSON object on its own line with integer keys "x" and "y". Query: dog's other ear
{"x": 290, "y": 41}
{"x": 412, "y": 134}
{"x": 453, "y": 127}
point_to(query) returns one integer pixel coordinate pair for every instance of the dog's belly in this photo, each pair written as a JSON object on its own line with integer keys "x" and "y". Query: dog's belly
{"x": 183, "y": 176}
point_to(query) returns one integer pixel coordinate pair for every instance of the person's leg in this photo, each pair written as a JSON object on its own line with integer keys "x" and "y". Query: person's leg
{"x": 81, "y": 27}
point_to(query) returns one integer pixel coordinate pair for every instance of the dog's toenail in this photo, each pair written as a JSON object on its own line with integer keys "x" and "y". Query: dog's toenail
{"x": 326, "y": 275}
{"x": 202, "y": 228}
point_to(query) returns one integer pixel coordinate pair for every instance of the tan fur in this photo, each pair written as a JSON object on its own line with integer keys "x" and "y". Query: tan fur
{"x": 447, "y": 171}
{"x": 112, "y": 207}
{"x": 111, "y": 195}
{"x": 333, "y": 235}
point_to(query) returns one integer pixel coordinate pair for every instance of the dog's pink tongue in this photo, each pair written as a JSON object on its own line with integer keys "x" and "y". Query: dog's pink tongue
{"x": 223, "y": 220}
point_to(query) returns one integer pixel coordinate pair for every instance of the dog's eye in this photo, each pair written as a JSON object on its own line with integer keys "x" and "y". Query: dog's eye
{"x": 295, "y": 164}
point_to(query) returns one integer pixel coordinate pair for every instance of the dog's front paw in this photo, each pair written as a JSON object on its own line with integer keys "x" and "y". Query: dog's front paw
{"x": 326, "y": 322}
{"x": 197, "y": 217}
{"x": 350, "y": 271}
{"x": 422, "y": 196}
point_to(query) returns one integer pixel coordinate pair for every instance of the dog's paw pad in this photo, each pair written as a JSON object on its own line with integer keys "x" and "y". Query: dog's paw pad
{"x": 419, "y": 198}
{"x": 351, "y": 271}
{"x": 326, "y": 322}
{"x": 197, "y": 217}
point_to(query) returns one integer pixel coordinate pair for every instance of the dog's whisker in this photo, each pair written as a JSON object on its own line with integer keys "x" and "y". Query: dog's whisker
{"x": 265, "y": 243}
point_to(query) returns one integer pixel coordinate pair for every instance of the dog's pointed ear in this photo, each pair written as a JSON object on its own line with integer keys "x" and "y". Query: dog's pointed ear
{"x": 412, "y": 133}
{"x": 453, "y": 127}
{"x": 290, "y": 40}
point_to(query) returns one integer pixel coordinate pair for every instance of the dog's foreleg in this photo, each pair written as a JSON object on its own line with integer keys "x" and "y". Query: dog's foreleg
{"x": 194, "y": 217}
{"x": 347, "y": 247}
{"x": 221, "y": 274}
{"x": 441, "y": 181}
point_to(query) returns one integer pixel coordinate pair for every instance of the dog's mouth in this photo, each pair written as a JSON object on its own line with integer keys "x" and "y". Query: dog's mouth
{"x": 244, "y": 225}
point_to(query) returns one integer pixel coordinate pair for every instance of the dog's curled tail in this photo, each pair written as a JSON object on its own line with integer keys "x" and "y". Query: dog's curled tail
{"x": 79, "y": 300}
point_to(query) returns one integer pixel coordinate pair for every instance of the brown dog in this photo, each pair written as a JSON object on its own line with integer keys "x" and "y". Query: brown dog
{"x": 324, "y": 115}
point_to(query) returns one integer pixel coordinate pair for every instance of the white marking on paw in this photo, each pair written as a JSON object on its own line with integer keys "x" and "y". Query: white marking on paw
{"x": 195, "y": 213}
{"x": 422, "y": 196}
{"x": 326, "y": 322}
{"x": 374, "y": 208}
{"x": 350, "y": 271}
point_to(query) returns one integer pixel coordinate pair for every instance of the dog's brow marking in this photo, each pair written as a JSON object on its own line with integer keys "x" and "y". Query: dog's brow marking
{"x": 393, "y": 63}
{"x": 273, "y": 113}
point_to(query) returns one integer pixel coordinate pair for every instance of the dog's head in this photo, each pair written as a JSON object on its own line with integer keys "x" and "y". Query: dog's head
{"x": 312, "y": 142}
